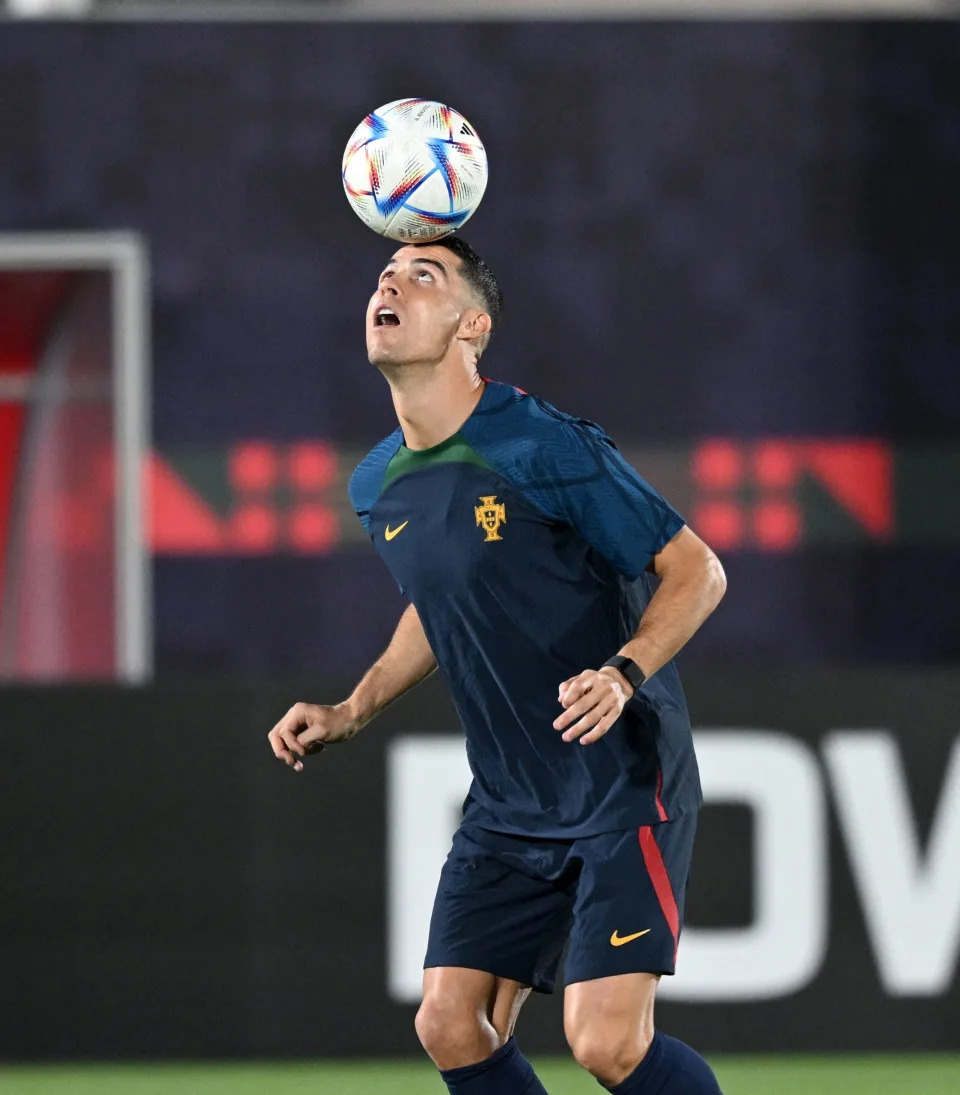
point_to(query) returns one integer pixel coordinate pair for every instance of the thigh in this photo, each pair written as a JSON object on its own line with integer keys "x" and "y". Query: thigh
{"x": 621, "y": 1005}
{"x": 501, "y": 909}
{"x": 629, "y": 906}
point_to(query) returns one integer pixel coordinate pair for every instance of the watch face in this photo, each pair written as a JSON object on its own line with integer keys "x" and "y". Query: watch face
{"x": 633, "y": 672}
{"x": 629, "y": 668}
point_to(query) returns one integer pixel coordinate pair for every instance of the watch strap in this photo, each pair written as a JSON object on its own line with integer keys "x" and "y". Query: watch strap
{"x": 629, "y": 668}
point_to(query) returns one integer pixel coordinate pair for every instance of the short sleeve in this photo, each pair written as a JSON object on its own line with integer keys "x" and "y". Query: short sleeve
{"x": 367, "y": 479}
{"x": 583, "y": 479}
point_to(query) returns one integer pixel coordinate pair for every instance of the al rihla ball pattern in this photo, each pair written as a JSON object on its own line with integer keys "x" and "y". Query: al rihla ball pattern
{"x": 414, "y": 170}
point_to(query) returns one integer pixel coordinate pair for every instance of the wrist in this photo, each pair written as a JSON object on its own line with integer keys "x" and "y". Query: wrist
{"x": 609, "y": 671}
{"x": 628, "y": 669}
{"x": 352, "y": 714}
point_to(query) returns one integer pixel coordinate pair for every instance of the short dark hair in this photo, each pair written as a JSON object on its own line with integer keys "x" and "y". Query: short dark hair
{"x": 477, "y": 275}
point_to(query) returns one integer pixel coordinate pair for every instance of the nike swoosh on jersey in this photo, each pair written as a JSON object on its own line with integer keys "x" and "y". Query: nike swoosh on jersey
{"x": 389, "y": 532}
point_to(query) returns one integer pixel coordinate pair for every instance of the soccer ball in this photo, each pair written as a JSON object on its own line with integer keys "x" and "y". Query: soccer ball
{"x": 414, "y": 170}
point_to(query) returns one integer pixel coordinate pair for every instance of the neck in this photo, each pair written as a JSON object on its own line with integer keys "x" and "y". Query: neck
{"x": 433, "y": 402}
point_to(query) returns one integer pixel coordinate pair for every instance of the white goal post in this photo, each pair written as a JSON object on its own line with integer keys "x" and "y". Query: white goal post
{"x": 124, "y": 256}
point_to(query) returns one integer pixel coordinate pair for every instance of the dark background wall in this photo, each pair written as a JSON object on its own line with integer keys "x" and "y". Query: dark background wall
{"x": 169, "y": 889}
{"x": 741, "y": 230}
{"x": 745, "y": 231}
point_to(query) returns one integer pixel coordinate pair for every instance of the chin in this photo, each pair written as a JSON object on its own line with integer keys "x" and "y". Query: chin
{"x": 380, "y": 356}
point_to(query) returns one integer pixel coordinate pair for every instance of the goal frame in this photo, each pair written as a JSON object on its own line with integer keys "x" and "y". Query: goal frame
{"x": 124, "y": 255}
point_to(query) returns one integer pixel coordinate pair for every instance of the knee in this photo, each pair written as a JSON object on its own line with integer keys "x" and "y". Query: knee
{"x": 609, "y": 1052}
{"x": 449, "y": 1031}
{"x": 440, "y": 1025}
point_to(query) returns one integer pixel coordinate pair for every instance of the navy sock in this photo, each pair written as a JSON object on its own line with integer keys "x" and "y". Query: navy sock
{"x": 507, "y": 1072}
{"x": 669, "y": 1068}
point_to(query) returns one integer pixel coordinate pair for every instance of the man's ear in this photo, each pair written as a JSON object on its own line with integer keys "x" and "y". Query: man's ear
{"x": 474, "y": 324}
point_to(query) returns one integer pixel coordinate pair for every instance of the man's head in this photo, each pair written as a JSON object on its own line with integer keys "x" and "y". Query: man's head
{"x": 430, "y": 298}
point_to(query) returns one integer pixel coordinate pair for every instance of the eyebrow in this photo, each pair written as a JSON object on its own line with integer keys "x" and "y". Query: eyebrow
{"x": 422, "y": 262}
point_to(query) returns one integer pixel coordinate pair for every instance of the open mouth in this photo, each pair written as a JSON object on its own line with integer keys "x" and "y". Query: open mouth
{"x": 386, "y": 317}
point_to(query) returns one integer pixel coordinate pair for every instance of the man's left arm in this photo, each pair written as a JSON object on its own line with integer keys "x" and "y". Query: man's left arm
{"x": 692, "y": 583}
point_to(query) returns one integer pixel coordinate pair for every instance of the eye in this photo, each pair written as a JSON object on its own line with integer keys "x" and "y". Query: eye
{"x": 425, "y": 274}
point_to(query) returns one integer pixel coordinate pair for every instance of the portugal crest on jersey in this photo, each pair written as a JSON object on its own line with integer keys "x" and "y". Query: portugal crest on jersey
{"x": 491, "y": 514}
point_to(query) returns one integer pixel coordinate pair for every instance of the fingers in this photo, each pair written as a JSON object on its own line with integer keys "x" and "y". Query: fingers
{"x": 293, "y": 749}
{"x": 283, "y": 738}
{"x": 593, "y": 704}
{"x": 593, "y": 718}
{"x": 573, "y": 688}
{"x": 282, "y": 751}
{"x": 578, "y": 698}
{"x": 601, "y": 728}
{"x": 563, "y": 688}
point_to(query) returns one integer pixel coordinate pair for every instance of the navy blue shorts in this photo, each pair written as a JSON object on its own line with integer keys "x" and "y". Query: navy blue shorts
{"x": 507, "y": 904}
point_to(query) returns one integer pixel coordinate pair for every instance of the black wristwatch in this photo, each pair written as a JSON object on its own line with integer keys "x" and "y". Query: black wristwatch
{"x": 629, "y": 668}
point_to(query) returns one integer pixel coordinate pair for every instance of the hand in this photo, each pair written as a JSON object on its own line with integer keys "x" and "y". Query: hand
{"x": 306, "y": 728}
{"x": 595, "y": 698}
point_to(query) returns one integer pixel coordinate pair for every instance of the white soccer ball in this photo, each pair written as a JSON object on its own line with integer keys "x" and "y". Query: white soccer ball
{"x": 414, "y": 170}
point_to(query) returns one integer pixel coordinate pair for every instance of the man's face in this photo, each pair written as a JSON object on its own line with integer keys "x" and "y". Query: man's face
{"x": 417, "y": 309}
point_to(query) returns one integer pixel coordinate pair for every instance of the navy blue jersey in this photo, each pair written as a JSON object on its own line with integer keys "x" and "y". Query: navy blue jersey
{"x": 523, "y": 541}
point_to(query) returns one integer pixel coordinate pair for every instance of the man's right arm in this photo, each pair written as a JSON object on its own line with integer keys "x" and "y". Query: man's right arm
{"x": 307, "y": 727}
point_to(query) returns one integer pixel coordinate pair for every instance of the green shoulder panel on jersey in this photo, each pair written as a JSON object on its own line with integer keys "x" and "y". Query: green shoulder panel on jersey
{"x": 454, "y": 450}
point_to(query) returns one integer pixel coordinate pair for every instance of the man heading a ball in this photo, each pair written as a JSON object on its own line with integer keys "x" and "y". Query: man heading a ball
{"x": 524, "y": 542}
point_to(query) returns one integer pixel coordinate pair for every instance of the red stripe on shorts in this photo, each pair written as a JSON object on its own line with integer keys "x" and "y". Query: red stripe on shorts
{"x": 661, "y": 809}
{"x": 661, "y": 882}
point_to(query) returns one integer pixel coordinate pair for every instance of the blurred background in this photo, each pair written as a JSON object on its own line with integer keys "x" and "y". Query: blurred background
{"x": 727, "y": 232}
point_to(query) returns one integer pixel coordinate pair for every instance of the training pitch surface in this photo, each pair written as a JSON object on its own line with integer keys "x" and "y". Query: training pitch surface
{"x": 840, "y": 1075}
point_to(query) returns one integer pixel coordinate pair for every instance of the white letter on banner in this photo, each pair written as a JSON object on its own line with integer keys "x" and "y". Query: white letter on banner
{"x": 427, "y": 780}
{"x": 782, "y": 950}
{"x": 911, "y": 904}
